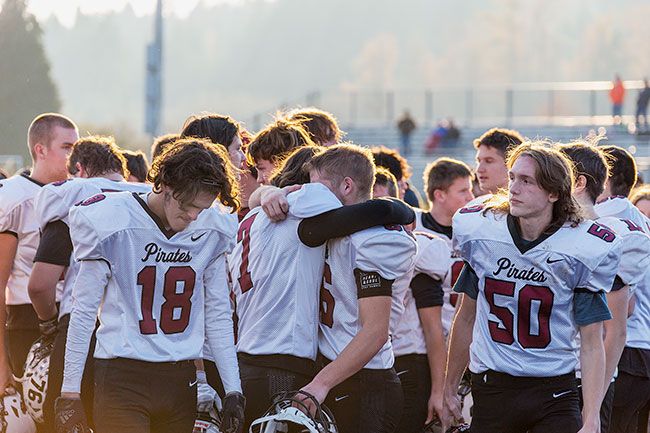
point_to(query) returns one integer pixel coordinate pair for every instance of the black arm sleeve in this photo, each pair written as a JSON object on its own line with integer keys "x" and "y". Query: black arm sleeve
{"x": 467, "y": 282}
{"x": 346, "y": 220}
{"x": 427, "y": 291}
{"x": 55, "y": 246}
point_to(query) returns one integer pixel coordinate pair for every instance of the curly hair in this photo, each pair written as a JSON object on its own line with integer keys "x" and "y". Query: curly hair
{"x": 292, "y": 170}
{"x": 276, "y": 140}
{"x": 193, "y": 166}
{"x": 393, "y": 161}
{"x": 554, "y": 175}
{"x": 98, "y": 155}
{"x": 640, "y": 193}
{"x": 217, "y": 128}
{"x": 161, "y": 143}
{"x": 321, "y": 125}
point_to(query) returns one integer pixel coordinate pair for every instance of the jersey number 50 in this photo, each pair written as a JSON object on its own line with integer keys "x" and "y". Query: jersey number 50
{"x": 527, "y": 295}
{"x": 173, "y": 300}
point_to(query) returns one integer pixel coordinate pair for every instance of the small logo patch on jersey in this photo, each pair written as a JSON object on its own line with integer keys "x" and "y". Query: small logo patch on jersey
{"x": 370, "y": 280}
{"x": 560, "y": 394}
{"x": 196, "y": 238}
{"x": 549, "y": 261}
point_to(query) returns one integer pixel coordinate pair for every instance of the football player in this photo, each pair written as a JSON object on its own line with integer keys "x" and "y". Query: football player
{"x": 161, "y": 143}
{"x": 448, "y": 187}
{"x": 97, "y": 165}
{"x": 273, "y": 144}
{"x": 321, "y": 125}
{"x": 591, "y": 172}
{"x": 535, "y": 275}
{"x": 399, "y": 167}
{"x": 137, "y": 165}
{"x": 358, "y": 381}
{"x": 219, "y": 129}
{"x": 491, "y": 152}
{"x": 156, "y": 265}
{"x": 50, "y": 140}
{"x": 632, "y": 388}
{"x": 417, "y": 335}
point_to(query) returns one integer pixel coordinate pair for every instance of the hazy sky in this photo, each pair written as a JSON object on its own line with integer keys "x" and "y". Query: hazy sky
{"x": 65, "y": 10}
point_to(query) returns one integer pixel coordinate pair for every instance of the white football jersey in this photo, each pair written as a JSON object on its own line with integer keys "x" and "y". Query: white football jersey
{"x": 54, "y": 202}
{"x": 390, "y": 251}
{"x": 525, "y": 323}
{"x": 450, "y": 298}
{"x": 276, "y": 278}
{"x": 17, "y": 216}
{"x": 638, "y": 324}
{"x": 433, "y": 260}
{"x": 154, "y": 307}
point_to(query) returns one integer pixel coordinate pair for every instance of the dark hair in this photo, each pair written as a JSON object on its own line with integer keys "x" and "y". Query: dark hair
{"x": 192, "y": 166}
{"x": 385, "y": 178}
{"x": 321, "y": 125}
{"x": 217, "y": 128}
{"x": 590, "y": 162}
{"x": 346, "y": 160}
{"x": 501, "y": 139}
{"x": 161, "y": 143}
{"x": 137, "y": 164}
{"x": 98, "y": 155}
{"x": 554, "y": 174}
{"x": 393, "y": 161}
{"x": 292, "y": 170}
{"x": 441, "y": 173}
{"x": 41, "y": 128}
{"x": 276, "y": 140}
{"x": 622, "y": 170}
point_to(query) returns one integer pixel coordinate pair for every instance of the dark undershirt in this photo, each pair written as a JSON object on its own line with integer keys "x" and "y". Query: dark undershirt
{"x": 430, "y": 223}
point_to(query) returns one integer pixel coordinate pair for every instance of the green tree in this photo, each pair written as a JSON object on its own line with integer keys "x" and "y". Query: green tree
{"x": 26, "y": 88}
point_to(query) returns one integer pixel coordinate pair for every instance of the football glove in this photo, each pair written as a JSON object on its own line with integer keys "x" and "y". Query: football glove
{"x": 205, "y": 394}
{"x": 70, "y": 416}
{"x": 233, "y": 412}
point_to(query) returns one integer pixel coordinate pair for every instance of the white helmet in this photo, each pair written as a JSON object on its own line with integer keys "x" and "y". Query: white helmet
{"x": 34, "y": 380}
{"x": 209, "y": 422}
{"x": 285, "y": 416}
{"x": 13, "y": 416}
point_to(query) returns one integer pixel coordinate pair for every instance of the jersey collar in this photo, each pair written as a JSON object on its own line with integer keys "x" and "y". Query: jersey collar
{"x": 429, "y": 222}
{"x": 168, "y": 233}
{"x": 522, "y": 244}
{"x": 31, "y": 179}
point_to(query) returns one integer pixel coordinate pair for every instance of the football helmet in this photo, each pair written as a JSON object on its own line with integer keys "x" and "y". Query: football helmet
{"x": 34, "y": 380}
{"x": 436, "y": 427}
{"x": 209, "y": 422}
{"x": 13, "y": 415}
{"x": 285, "y": 415}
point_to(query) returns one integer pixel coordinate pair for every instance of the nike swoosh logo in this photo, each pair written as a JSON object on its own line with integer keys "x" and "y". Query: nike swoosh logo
{"x": 548, "y": 260}
{"x": 193, "y": 383}
{"x": 341, "y": 398}
{"x": 399, "y": 373}
{"x": 196, "y": 238}
{"x": 560, "y": 394}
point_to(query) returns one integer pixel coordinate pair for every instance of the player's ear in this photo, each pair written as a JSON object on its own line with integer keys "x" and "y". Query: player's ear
{"x": 438, "y": 194}
{"x": 580, "y": 183}
{"x": 553, "y": 197}
{"x": 347, "y": 186}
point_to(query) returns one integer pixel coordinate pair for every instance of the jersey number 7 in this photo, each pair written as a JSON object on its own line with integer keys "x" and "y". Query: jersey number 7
{"x": 173, "y": 300}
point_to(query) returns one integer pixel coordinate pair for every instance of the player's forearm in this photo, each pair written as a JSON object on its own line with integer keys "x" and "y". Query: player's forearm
{"x": 255, "y": 199}
{"x": 436, "y": 349}
{"x": 42, "y": 289}
{"x": 368, "y": 341}
{"x": 615, "y": 331}
{"x": 87, "y": 296}
{"x": 460, "y": 339}
{"x": 592, "y": 364}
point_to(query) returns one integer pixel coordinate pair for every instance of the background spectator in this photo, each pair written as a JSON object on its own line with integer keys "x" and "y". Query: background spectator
{"x": 617, "y": 95}
{"x": 406, "y": 126}
{"x": 642, "y": 107}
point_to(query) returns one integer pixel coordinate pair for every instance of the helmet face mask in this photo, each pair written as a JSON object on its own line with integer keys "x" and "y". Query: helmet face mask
{"x": 287, "y": 414}
{"x": 208, "y": 422}
{"x": 13, "y": 415}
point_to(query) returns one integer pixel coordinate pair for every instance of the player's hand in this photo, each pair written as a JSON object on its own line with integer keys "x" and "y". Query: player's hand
{"x": 274, "y": 201}
{"x": 70, "y": 416}
{"x": 451, "y": 411}
{"x": 233, "y": 412}
{"x": 7, "y": 383}
{"x": 590, "y": 425}
{"x": 434, "y": 407}
{"x": 205, "y": 394}
{"x": 319, "y": 392}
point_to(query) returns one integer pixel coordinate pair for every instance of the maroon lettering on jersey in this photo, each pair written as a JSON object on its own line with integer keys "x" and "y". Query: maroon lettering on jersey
{"x": 632, "y": 226}
{"x": 94, "y": 199}
{"x": 601, "y": 232}
{"x": 244, "y": 235}
{"x": 394, "y": 227}
{"x": 61, "y": 182}
{"x": 472, "y": 209}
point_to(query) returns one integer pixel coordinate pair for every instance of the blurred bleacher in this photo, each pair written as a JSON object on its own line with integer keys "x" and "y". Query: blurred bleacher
{"x": 464, "y": 150}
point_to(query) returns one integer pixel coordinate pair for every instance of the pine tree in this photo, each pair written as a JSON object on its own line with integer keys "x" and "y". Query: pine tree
{"x": 26, "y": 87}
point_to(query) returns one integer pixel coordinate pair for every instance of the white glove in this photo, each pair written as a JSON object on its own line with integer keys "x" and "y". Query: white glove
{"x": 205, "y": 394}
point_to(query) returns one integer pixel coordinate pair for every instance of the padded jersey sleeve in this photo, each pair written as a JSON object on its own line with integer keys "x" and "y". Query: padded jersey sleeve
{"x": 85, "y": 237}
{"x": 310, "y": 200}
{"x": 635, "y": 249}
{"x": 218, "y": 324}
{"x": 433, "y": 257}
{"x": 601, "y": 277}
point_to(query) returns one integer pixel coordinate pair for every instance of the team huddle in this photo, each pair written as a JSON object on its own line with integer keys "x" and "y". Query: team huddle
{"x": 288, "y": 282}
